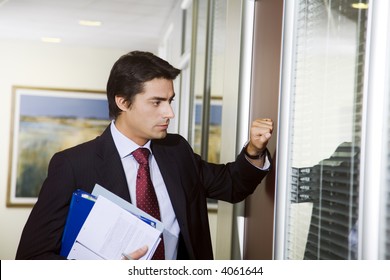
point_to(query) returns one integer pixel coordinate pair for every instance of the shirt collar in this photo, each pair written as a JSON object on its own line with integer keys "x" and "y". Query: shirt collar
{"x": 124, "y": 145}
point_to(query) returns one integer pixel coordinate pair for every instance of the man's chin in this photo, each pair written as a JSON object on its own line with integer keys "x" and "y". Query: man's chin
{"x": 160, "y": 135}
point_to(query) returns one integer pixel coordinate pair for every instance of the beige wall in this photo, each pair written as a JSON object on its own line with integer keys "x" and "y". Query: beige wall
{"x": 39, "y": 65}
{"x": 259, "y": 208}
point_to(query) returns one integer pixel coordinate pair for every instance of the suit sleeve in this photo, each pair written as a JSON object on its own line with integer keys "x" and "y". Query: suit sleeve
{"x": 231, "y": 182}
{"x": 42, "y": 234}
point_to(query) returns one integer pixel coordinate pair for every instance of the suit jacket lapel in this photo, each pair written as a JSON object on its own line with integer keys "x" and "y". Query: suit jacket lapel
{"x": 109, "y": 166}
{"x": 169, "y": 171}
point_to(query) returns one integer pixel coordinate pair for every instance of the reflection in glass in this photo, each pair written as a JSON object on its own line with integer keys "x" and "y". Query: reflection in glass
{"x": 208, "y": 79}
{"x": 217, "y": 80}
{"x": 199, "y": 69}
{"x": 187, "y": 29}
{"x": 384, "y": 236}
{"x": 326, "y": 130}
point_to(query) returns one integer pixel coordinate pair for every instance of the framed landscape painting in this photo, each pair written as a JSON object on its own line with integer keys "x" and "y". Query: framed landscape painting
{"x": 46, "y": 121}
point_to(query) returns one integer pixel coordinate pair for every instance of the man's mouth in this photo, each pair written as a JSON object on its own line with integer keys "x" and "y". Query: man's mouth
{"x": 164, "y": 125}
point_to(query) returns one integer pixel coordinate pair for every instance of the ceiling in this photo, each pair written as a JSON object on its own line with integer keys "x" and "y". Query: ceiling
{"x": 126, "y": 24}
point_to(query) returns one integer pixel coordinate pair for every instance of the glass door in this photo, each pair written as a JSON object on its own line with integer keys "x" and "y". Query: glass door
{"x": 320, "y": 129}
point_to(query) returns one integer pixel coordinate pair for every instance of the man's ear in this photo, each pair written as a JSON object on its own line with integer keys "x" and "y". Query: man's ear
{"x": 121, "y": 103}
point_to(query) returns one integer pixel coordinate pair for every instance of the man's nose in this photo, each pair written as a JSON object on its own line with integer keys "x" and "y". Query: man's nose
{"x": 169, "y": 114}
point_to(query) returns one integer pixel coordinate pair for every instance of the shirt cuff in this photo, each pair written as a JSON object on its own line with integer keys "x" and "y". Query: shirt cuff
{"x": 266, "y": 165}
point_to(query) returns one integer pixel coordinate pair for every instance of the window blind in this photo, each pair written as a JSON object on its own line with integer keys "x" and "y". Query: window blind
{"x": 326, "y": 114}
{"x": 385, "y": 232}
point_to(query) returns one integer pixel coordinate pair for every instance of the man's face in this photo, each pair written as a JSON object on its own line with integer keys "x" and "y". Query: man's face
{"x": 149, "y": 114}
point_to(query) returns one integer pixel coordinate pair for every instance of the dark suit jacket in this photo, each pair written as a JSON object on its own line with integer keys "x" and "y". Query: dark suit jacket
{"x": 189, "y": 180}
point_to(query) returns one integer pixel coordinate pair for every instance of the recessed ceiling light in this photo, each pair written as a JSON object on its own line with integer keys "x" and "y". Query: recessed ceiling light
{"x": 90, "y": 22}
{"x": 51, "y": 40}
{"x": 360, "y": 5}
{"x": 2, "y": 2}
{"x": 185, "y": 4}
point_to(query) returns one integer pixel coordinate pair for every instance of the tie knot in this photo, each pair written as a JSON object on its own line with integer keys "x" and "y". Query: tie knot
{"x": 141, "y": 155}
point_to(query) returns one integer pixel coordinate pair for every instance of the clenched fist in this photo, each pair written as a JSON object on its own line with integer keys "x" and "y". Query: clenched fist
{"x": 260, "y": 133}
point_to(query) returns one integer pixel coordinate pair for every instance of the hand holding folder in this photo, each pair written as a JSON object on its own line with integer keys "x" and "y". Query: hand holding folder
{"x": 108, "y": 230}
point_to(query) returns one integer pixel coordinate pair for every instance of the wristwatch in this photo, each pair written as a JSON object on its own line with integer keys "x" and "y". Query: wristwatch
{"x": 259, "y": 156}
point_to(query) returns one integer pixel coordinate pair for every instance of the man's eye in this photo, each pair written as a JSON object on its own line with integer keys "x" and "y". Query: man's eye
{"x": 170, "y": 101}
{"x": 156, "y": 103}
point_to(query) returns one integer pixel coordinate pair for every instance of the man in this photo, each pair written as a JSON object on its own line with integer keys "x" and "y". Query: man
{"x": 140, "y": 92}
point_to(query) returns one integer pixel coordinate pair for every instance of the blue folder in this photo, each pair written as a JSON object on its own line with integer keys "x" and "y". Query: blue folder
{"x": 80, "y": 206}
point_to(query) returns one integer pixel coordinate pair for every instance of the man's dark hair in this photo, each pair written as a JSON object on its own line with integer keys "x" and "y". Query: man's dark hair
{"x": 130, "y": 72}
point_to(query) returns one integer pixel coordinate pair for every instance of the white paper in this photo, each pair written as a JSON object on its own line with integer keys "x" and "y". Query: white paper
{"x": 109, "y": 231}
{"x": 80, "y": 252}
{"x": 99, "y": 190}
{"x": 170, "y": 240}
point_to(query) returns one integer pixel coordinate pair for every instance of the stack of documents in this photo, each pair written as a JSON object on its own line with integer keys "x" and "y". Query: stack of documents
{"x": 102, "y": 225}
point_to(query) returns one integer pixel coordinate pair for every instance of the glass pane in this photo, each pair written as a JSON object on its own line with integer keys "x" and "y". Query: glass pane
{"x": 187, "y": 30}
{"x": 385, "y": 230}
{"x": 199, "y": 68}
{"x": 326, "y": 130}
{"x": 212, "y": 76}
{"x": 217, "y": 71}
{"x": 384, "y": 238}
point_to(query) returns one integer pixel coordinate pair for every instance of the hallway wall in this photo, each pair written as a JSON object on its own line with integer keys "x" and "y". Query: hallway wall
{"x": 39, "y": 65}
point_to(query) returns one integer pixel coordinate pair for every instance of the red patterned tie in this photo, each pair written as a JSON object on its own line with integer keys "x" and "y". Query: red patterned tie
{"x": 146, "y": 196}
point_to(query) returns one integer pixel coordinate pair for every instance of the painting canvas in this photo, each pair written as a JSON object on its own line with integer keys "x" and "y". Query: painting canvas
{"x": 215, "y": 122}
{"x": 46, "y": 121}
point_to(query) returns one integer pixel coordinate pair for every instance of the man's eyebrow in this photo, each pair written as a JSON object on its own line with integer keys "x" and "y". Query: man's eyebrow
{"x": 159, "y": 98}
